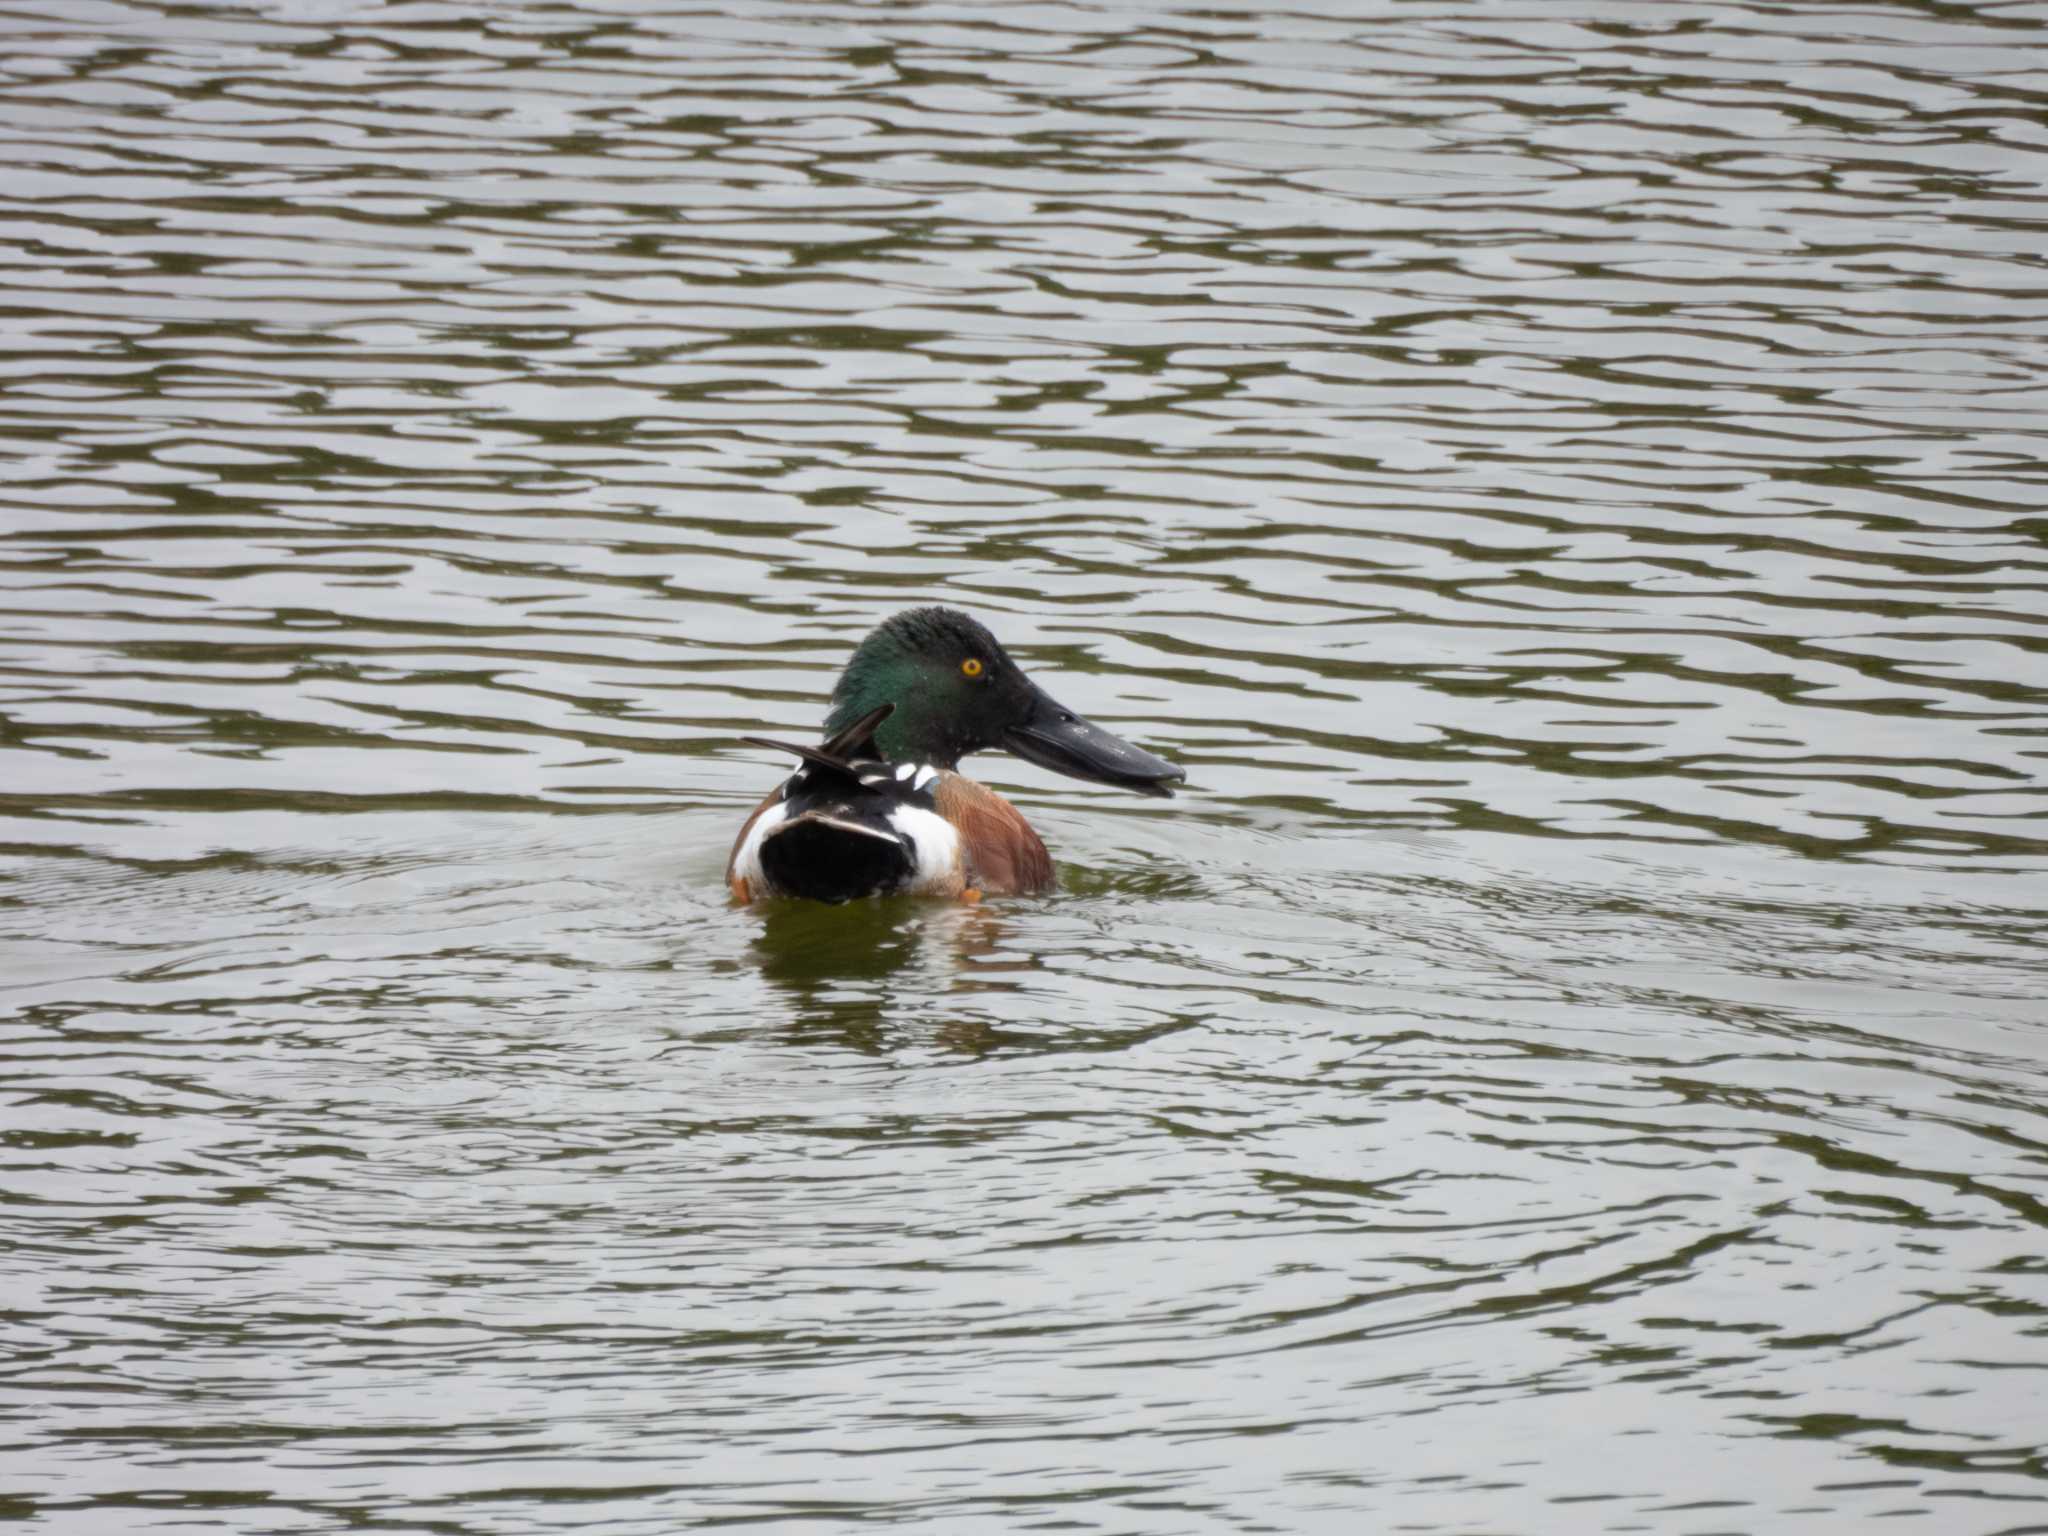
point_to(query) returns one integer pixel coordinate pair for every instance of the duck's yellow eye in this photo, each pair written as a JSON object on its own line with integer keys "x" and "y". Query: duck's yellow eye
{"x": 971, "y": 666}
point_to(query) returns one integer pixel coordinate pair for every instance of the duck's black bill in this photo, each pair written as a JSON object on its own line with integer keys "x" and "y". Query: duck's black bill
{"x": 1061, "y": 740}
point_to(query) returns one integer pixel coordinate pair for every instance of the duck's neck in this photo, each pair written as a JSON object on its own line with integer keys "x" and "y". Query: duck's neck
{"x": 913, "y": 733}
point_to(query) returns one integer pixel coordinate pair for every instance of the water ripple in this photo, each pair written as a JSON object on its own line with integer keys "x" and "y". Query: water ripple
{"x": 1563, "y": 480}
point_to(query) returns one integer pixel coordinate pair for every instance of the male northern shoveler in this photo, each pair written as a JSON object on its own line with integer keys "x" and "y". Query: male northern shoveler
{"x": 881, "y": 805}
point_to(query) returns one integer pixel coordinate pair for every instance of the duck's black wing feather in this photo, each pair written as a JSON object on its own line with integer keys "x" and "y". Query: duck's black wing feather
{"x": 815, "y": 756}
{"x": 841, "y": 756}
{"x": 857, "y": 740}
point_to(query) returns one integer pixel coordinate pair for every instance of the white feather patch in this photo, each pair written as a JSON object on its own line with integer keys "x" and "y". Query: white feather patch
{"x": 747, "y": 862}
{"x": 937, "y": 843}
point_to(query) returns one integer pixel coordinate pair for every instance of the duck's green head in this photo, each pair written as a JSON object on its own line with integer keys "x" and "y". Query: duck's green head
{"x": 956, "y": 691}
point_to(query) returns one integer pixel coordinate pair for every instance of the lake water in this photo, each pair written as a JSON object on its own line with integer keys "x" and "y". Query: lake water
{"x": 1566, "y": 481}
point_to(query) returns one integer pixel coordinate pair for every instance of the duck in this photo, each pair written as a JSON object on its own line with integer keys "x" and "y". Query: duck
{"x": 880, "y": 806}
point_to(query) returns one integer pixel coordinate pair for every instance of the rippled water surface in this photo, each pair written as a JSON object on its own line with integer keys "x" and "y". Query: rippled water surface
{"x": 1565, "y": 479}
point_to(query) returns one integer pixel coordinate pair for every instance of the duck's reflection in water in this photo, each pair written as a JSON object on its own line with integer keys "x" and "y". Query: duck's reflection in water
{"x": 870, "y": 973}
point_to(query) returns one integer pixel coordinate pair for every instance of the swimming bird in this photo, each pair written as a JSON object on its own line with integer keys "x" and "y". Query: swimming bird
{"x": 880, "y": 806}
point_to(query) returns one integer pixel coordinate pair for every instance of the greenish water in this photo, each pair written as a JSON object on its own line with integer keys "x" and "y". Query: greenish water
{"x": 1564, "y": 480}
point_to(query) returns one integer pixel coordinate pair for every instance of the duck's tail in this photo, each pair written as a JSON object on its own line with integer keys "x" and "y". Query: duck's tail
{"x": 831, "y": 857}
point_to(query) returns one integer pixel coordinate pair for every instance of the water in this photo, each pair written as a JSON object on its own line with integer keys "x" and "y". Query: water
{"x": 1564, "y": 480}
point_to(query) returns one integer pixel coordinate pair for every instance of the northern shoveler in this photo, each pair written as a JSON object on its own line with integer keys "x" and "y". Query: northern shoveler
{"x": 881, "y": 805}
